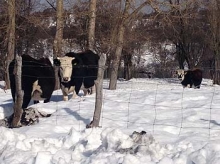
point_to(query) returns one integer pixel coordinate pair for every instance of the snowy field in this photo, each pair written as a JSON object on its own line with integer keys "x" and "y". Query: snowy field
{"x": 182, "y": 125}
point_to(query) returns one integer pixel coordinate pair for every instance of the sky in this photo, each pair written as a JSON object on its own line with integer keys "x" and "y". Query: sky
{"x": 182, "y": 127}
{"x": 43, "y": 4}
{"x": 70, "y": 3}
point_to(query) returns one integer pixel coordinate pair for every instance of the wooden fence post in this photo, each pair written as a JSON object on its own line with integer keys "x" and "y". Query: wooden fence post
{"x": 16, "y": 122}
{"x": 99, "y": 92}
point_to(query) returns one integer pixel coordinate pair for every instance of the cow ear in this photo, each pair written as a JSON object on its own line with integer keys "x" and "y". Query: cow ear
{"x": 56, "y": 62}
{"x": 75, "y": 61}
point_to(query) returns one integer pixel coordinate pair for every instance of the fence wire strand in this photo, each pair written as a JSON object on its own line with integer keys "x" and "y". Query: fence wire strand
{"x": 133, "y": 101}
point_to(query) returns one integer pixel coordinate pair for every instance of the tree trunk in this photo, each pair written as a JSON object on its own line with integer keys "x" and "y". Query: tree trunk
{"x": 119, "y": 47}
{"x": 99, "y": 92}
{"x": 120, "y": 40}
{"x": 180, "y": 57}
{"x": 11, "y": 40}
{"x": 214, "y": 21}
{"x": 92, "y": 20}
{"x": 127, "y": 67}
{"x": 216, "y": 77}
{"x": 115, "y": 62}
{"x": 19, "y": 94}
{"x": 101, "y": 65}
{"x": 57, "y": 45}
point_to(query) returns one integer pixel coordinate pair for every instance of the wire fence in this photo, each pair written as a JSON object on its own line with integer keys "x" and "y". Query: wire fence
{"x": 152, "y": 104}
{"x": 167, "y": 107}
{"x": 156, "y": 71}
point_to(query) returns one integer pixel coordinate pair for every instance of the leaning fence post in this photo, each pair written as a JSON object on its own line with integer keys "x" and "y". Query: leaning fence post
{"x": 16, "y": 122}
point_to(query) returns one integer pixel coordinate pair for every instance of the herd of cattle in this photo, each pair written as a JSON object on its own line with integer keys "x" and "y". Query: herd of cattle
{"x": 76, "y": 71}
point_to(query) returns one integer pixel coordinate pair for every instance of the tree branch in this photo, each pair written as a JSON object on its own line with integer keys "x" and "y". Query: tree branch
{"x": 51, "y": 5}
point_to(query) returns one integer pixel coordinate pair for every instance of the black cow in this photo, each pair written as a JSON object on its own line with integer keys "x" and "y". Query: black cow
{"x": 77, "y": 71}
{"x": 38, "y": 79}
{"x": 193, "y": 78}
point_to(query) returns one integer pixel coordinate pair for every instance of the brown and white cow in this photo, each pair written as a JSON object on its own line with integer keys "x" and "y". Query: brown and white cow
{"x": 77, "y": 71}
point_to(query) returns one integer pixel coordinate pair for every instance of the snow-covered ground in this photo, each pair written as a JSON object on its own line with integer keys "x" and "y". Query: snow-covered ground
{"x": 182, "y": 125}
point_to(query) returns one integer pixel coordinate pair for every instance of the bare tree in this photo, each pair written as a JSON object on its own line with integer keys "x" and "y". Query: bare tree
{"x": 101, "y": 64}
{"x": 183, "y": 25}
{"x": 3, "y": 38}
{"x": 17, "y": 69}
{"x": 99, "y": 92}
{"x": 214, "y": 12}
{"x": 119, "y": 47}
{"x": 57, "y": 45}
{"x": 24, "y": 26}
{"x": 16, "y": 122}
{"x": 126, "y": 18}
{"x": 92, "y": 20}
{"x": 11, "y": 39}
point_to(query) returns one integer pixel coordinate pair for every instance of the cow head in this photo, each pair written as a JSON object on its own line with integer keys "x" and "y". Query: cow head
{"x": 65, "y": 65}
{"x": 180, "y": 74}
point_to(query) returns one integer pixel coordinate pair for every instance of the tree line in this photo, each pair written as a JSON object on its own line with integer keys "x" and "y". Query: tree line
{"x": 124, "y": 30}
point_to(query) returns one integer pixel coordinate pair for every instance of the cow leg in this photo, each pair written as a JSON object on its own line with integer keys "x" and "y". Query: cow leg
{"x": 74, "y": 95}
{"x": 188, "y": 86}
{"x": 65, "y": 98}
{"x": 196, "y": 86}
{"x": 85, "y": 91}
{"x": 76, "y": 88}
{"x": 65, "y": 95}
{"x": 65, "y": 92}
{"x": 47, "y": 100}
{"x": 89, "y": 85}
{"x": 36, "y": 102}
{"x": 89, "y": 91}
{"x": 93, "y": 89}
{"x": 26, "y": 101}
{"x": 191, "y": 84}
{"x": 72, "y": 90}
{"x": 27, "y": 85}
